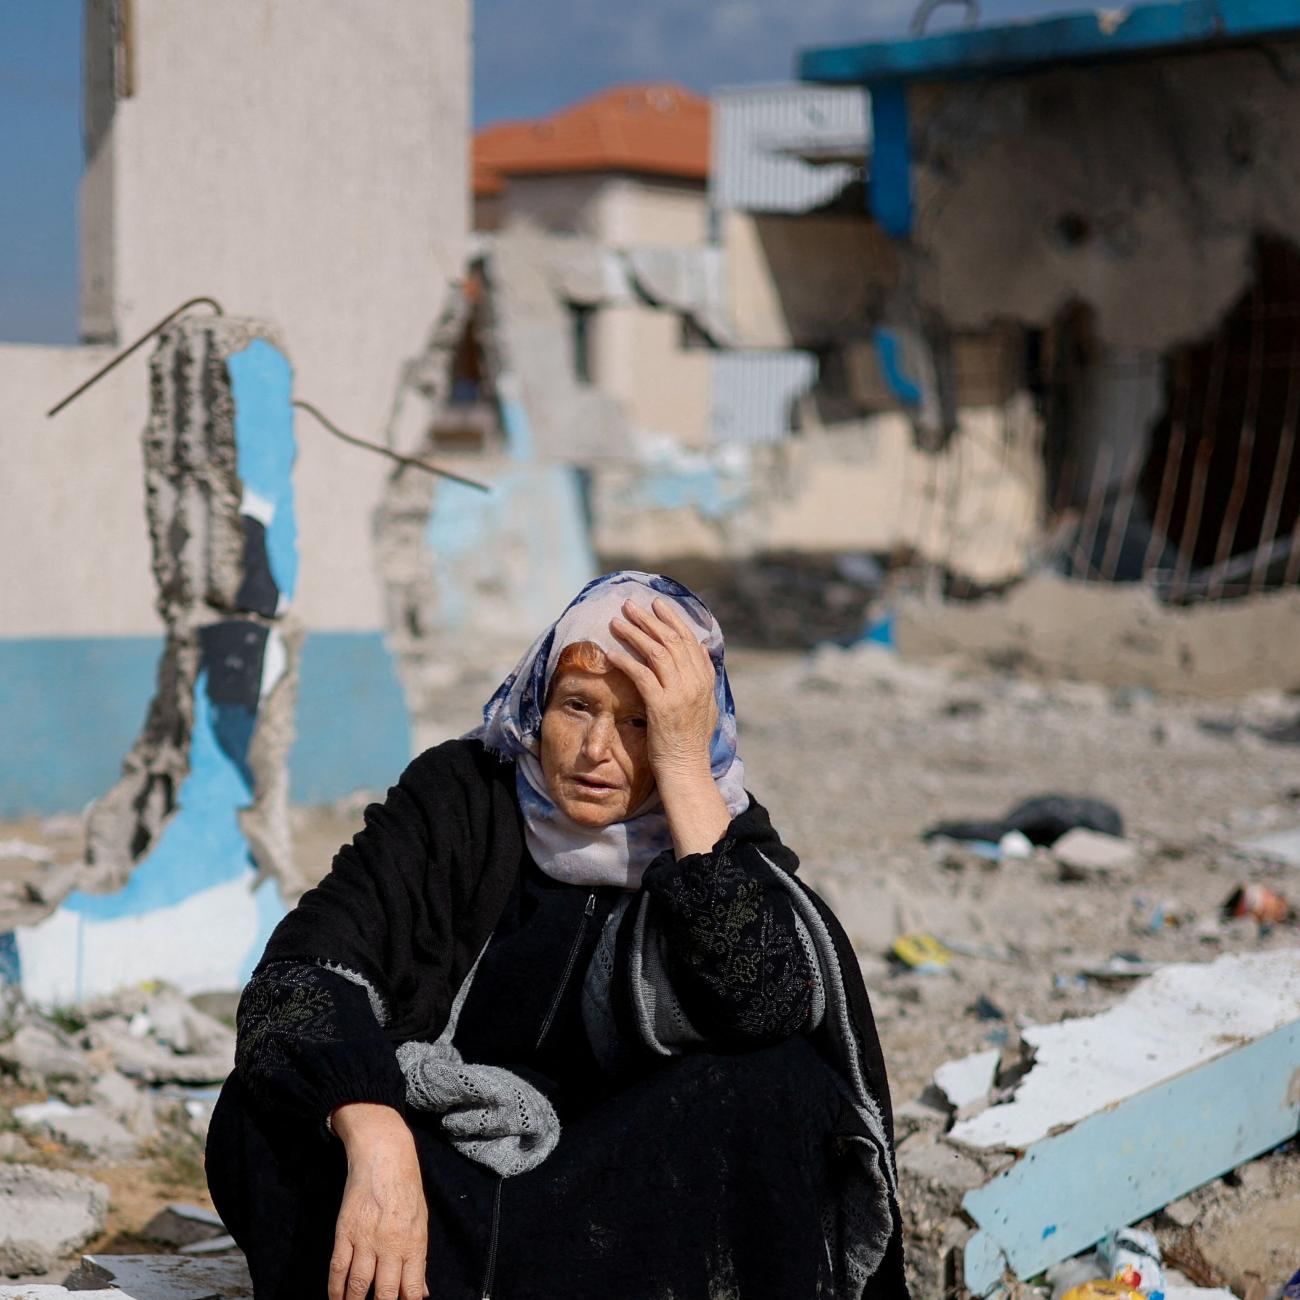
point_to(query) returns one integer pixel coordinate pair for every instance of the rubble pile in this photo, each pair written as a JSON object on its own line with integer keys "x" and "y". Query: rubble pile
{"x": 971, "y": 947}
{"x": 118, "y": 1089}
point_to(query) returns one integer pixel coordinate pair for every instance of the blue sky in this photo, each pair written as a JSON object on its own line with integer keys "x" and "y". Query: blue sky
{"x": 530, "y": 56}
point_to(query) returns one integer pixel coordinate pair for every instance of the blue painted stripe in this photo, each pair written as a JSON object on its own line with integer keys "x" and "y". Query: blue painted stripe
{"x": 1073, "y": 38}
{"x": 353, "y": 729}
{"x": 201, "y": 846}
{"x": 889, "y": 188}
{"x": 889, "y": 354}
{"x": 261, "y": 381}
{"x": 73, "y": 707}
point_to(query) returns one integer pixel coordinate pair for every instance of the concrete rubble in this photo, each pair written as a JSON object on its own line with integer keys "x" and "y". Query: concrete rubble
{"x": 855, "y": 752}
{"x": 45, "y": 1214}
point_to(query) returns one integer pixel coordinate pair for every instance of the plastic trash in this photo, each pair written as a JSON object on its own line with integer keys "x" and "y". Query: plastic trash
{"x": 1258, "y": 902}
{"x": 921, "y": 952}
{"x": 1132, "y": 1257}
{"x": 1100, "y": 1289}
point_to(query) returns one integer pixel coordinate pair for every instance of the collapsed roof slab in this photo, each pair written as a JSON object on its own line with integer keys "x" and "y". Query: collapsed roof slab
{"x": 1194, "y": 1073}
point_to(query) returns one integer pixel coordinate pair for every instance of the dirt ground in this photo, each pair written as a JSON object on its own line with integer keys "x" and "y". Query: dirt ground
{"x": 855, "y": 752}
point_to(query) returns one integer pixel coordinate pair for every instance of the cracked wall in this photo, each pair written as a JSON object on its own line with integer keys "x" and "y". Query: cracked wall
{"x": 1135, "y": 187}
{"x": 187, "y": 852}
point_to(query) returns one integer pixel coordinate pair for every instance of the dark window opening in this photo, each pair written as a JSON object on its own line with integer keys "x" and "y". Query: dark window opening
{"x": 1222, "y": 481}
{"x": 580, "y": 334}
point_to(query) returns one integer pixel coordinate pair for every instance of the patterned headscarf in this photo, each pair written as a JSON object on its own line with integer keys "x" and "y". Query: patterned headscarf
{"x": 512, "y": 727}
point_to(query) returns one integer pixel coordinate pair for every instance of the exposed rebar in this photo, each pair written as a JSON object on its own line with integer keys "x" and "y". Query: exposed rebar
{"x": 126, "y": 352}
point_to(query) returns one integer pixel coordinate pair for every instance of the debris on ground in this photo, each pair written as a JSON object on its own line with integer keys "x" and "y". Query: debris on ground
{"x": 1091, "y": 855}
{"x": 1089, "y": 1132}
{"x": 45, "y": 1215}
{"x": 1259, "y": 903}
{"x": 854, "y": 751}
{"x": 1040, "y": 820}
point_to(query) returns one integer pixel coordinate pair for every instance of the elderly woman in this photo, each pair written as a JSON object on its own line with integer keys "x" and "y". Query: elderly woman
{"x": 560, "y": 1021}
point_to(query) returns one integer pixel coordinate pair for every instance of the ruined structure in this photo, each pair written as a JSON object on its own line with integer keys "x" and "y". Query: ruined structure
{"x": 1111, "y": 199}
{"x": 300, "y": 163}
{"x": 185, "y": 854}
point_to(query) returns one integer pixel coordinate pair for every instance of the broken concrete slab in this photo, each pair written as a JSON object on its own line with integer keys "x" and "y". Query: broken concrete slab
{"x": 1283, "y": 846}
{"x": 939, "y": 1164}
{"x": 114, "y": 1093}
{"x": 165, "y": 1277}
{"x": 1087, "y": 855}
{"x": 40, "y": 1291}
{"x": 183, "y": 1225}
{"x": 968, "y": 1082}
{"x": 84, "y": 1126}
{"x": 45, "y": 1215}
{"x": 41, "y": 1057}
{"x": 213, "y": 1246}
{"x": 142, "y": 1058}
{"x": 1113, "y": 1119}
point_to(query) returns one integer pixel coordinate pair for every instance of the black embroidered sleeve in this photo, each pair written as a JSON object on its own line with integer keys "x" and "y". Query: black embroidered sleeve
{"x": 309, "y": 1041}
{"x": 735, "y": 953}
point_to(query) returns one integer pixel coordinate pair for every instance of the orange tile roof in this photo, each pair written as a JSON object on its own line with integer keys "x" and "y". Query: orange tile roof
{"x": 657, "y": 128}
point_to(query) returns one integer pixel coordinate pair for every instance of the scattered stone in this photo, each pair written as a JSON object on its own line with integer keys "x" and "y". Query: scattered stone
{"x": 215, "y": 1246}
{"x": 942, "y": 1166}
{"x": 125, "y": 1101}
{"x": 45, "y": 1215}
{"x": 1087, "y": 855}
{"x": 166, "y": 1277}
{"x": 919, "y": 1115}
{"x": 41, "y": 1058}
{"x": 1181, "y": 1213}
{"x": 141, "y": 1058}
{"x": 967, "y": 1083}
{"x": 24, "y": 851}
{"x": 174, "y": 1022}
{"x": 84, "y": 1126}
{"x": 220, "y": 1004}
{"x": 184, "y": 1225}
{"x": 13, "y": 1146}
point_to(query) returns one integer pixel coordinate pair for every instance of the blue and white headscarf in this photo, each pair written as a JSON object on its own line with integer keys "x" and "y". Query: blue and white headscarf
{"x": 512, "y": 727}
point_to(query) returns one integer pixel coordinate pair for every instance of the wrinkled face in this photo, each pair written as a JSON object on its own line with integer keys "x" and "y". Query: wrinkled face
{"x": 594, "y": 747}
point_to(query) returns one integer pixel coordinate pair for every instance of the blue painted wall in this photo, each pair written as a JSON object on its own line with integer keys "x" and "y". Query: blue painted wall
{"x": 73, "y": 707}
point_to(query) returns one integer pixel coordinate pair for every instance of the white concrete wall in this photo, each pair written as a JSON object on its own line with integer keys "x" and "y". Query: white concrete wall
{"x": 640, "y": 361}
{"x": 558, "y": 205}
{"x": 306, "y": 163}
{"x": 620, "y": 211}
{"x": 74, "y": 541}
{"x": 640, "y": 210}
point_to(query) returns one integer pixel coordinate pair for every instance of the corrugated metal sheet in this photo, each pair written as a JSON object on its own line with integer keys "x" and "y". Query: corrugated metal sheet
{"x": 754, "y": 394}
{"x": 765, "y": 137}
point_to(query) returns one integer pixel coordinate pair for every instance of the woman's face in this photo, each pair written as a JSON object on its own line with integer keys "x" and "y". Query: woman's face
{"x": 594, "y": 747}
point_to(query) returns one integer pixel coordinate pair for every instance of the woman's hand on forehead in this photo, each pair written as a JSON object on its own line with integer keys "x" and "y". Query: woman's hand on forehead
{"x": 675, "y": 676}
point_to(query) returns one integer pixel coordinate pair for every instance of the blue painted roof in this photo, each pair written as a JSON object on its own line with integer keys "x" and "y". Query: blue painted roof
{"x": 1073, "y": 38}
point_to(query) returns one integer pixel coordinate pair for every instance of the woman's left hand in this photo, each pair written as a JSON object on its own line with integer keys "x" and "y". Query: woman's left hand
{"x": 675, "y": 676}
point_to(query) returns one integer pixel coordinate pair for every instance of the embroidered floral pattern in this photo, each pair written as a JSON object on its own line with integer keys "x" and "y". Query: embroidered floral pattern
{"x": 737, "y": 943}
{"x": 284, "y": 1005}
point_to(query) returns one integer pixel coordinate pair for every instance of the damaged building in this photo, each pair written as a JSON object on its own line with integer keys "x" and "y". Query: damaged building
{"x": 1109, "y": 202}
{"x": 993, "y": 328}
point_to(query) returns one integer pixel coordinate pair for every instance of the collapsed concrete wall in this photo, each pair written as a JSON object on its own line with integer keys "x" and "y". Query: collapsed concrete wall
{"x": 1135, "y": 187}
{"x": 184, "y": 854}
